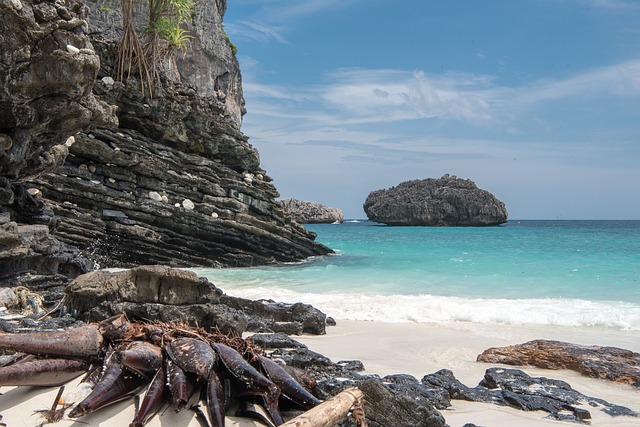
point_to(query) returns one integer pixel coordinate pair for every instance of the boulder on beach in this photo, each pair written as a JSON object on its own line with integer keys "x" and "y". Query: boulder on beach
{"x": 611, "y": 363}
{"x": 448, "y": 201}
{"x": 312, "y": 212}
{"x": 168, "y": 294}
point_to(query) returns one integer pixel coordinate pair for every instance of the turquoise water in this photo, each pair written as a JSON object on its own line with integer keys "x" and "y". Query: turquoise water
{"x": 579, "y": 273}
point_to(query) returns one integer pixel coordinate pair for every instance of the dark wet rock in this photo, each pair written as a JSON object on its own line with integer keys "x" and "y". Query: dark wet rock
{"x": 312, "y": 212}
{"x": 330, "y": 321}
{"x": 304, "y": 358}
{"x": 609, "y": 363}
{"x": 30, "y": 256}
{"x": 408, "y": 384}
{"x": 556, "y": 397}
{"x": 448, "y": 201}
{"x": 169, "y": 294}
{"x": 276, "y": 314}
{"x": 351, "y": 365}
{"x": 446, "y": 381}
{"x": 387, "y": 407}
{"x": 276, "y": 340}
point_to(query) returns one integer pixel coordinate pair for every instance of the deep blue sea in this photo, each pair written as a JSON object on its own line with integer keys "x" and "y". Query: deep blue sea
{"x": 570, "y": 273}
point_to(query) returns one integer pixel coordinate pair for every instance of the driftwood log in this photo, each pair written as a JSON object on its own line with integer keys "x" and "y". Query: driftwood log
{"x": 332, "y": 411}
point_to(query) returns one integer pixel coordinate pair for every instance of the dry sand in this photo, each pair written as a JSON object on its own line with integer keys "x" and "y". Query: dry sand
{"x": 420, "y": 349}
{"x": 389, "y": 348}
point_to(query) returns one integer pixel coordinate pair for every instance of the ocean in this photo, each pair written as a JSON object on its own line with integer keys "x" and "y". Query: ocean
{"x": 547, "y": 273}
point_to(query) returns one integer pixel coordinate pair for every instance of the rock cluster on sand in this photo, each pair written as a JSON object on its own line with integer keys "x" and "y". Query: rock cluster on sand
{"x": 312, "y": 212}
{"x": 168, "y": 294}
{"x": 611, "y": 363}
{"x": 448, "y": 201}
{"x": 403, "y": 400}
{"x": 175, "y": 295}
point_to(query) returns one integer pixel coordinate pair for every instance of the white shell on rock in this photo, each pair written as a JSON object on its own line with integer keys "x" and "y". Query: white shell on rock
{"x": 17, "y": 4}
{"x": 214, "y": 215}
{"x": 108, "y": 81}
{"x": 70, "y": 141}
{"x": 188, "y": 204}
{"x": 165, "y": 199}
{"x": 72, "y": 49}
{"x": 177, "y": 205}
{"x": 33, "y": 191}
{"x": 155, "y": 196}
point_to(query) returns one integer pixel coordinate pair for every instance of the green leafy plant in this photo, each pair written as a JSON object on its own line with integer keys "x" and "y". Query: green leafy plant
{"x": 163, "y": 35}
{"x": 233, "y": 47}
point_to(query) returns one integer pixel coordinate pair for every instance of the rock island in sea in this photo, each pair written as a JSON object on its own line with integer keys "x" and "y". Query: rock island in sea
{"x": 312, "y": 212}
{"x": 447, "y": 201}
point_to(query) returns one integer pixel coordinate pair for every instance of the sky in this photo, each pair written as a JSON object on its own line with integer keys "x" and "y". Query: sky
{"x": 536, "y": 101}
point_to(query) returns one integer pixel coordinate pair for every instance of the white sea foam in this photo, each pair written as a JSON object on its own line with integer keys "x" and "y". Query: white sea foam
{"x": 439, "y": 309}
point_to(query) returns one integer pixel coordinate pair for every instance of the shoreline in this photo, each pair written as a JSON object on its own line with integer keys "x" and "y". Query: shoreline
{"x": 419, "y": 349}
{"x": 401, "y": 348}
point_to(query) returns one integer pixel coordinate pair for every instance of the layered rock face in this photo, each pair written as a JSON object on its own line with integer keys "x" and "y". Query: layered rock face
{"x": 176, "y": 185}
{"x": 47, "y": 71}
{"x": 448, "y": 201}
{"x": 312, "y": 212}
{"x": 112, "y": 177}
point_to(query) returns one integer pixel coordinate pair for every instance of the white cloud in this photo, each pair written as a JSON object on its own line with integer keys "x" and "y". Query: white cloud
{"x": 273, "y": 19}
{"x": 256, "y": 30}
{"x": 620, "y": 80}
{"x": 611, "y": 4}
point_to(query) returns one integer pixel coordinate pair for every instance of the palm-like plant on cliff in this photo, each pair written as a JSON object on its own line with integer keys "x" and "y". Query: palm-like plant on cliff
{"x": 163, "y": 35}
{"x": 130, "y": 52}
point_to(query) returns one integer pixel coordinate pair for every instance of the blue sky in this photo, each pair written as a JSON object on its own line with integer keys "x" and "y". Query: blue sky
{"x": 537, "y": 101}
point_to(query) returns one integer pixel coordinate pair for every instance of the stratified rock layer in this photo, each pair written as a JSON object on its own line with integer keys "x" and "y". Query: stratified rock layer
{"x": 312, "y": 212}
{"x": 448, "y": 201}
{"x": 609, "y": 363}
{"x": 170, "y": 180}
{"x": 48, "y": 67}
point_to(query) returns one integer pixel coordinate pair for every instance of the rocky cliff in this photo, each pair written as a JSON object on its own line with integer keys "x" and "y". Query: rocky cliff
{"x": 312, "y": 212}
{"x": 448, "y": 201}
{"x": 94, "y": 172}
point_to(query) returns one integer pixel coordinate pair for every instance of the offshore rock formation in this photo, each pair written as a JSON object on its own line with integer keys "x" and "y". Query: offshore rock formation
{"x": 611, "y": 363}
{"x": 448, "y": 201}
{"x": 94, "y": 173}
{"x": 312, "y": 212}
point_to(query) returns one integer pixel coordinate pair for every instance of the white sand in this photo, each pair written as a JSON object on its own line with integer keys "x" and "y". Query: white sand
{"x": 420, "y": 349}
{"x": 389, "y": 348}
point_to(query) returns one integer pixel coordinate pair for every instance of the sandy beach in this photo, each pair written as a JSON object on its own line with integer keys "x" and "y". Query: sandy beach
{"x": 420, "y": 349}
{"x": 389, "y": 348}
